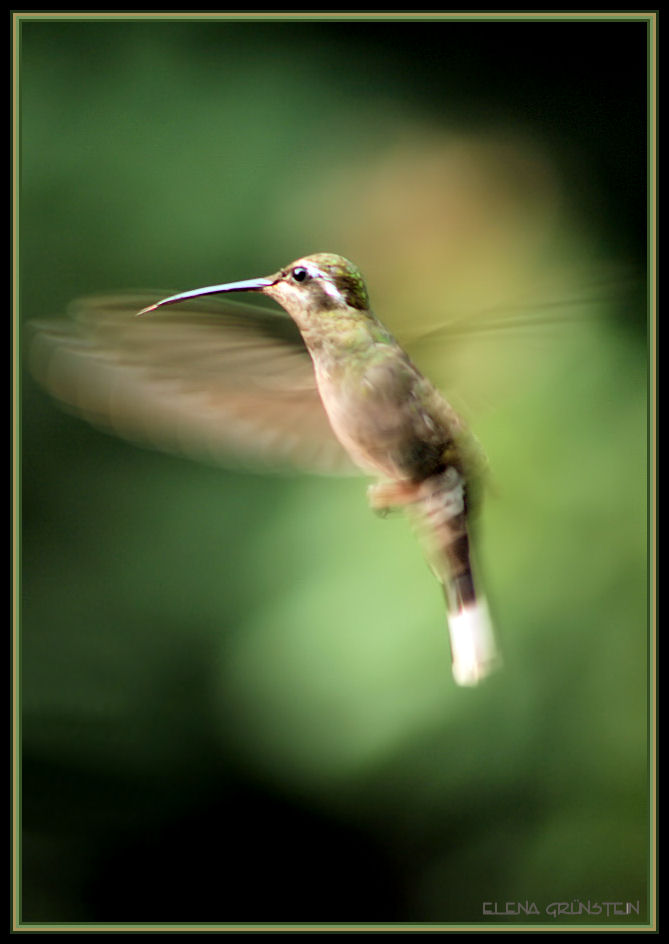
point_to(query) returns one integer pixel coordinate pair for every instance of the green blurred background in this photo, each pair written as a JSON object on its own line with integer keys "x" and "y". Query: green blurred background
{"x": 236, "y": 694}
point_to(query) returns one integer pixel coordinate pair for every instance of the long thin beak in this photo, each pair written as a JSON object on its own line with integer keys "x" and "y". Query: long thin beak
{"x": 250, "y": 285}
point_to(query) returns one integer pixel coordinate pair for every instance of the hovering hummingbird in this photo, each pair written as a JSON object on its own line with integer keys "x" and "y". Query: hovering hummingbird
{"x": 326, "y": 390}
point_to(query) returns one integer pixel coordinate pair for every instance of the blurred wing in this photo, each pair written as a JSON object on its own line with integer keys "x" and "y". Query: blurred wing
{"x": 482, "y": 358}
{"x": 215, "y": 380}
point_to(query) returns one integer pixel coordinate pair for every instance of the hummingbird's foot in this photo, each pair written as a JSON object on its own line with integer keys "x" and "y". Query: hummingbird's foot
{"x": 384, "y": 496}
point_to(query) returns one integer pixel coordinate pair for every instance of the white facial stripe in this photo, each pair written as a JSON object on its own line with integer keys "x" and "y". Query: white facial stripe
{"x": 327, "y": 285}
{"x": 332, "y": 291}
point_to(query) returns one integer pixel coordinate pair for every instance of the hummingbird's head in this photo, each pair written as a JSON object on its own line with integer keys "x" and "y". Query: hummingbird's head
{"x": 323, "y": 284}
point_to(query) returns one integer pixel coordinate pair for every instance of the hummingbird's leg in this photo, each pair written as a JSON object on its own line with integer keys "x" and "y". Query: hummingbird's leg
{"x": 383, "y": 496}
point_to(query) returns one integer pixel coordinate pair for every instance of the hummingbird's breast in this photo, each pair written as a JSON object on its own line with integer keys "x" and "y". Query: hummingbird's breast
{"x": 388, "y": 417}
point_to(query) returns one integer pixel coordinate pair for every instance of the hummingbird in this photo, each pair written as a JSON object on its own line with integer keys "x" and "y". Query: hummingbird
{"x": 329, "y": 388}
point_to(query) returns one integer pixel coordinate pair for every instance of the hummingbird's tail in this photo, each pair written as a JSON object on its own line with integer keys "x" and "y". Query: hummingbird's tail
{"x": 444, "y": 518}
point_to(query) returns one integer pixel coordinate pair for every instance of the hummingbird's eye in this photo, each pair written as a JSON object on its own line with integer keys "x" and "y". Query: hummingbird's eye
{"x": 300, "y": 274}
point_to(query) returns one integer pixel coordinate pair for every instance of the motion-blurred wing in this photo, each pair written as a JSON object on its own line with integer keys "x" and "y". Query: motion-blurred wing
{"x": 216, "y": 380}
{"x": 483, "y": 358}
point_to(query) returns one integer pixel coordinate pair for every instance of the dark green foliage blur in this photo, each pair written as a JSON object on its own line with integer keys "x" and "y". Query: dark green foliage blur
{"x": 237, "y": 703}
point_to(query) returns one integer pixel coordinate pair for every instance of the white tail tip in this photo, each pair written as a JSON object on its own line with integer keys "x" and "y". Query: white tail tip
{"x": 473, "y": 646}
